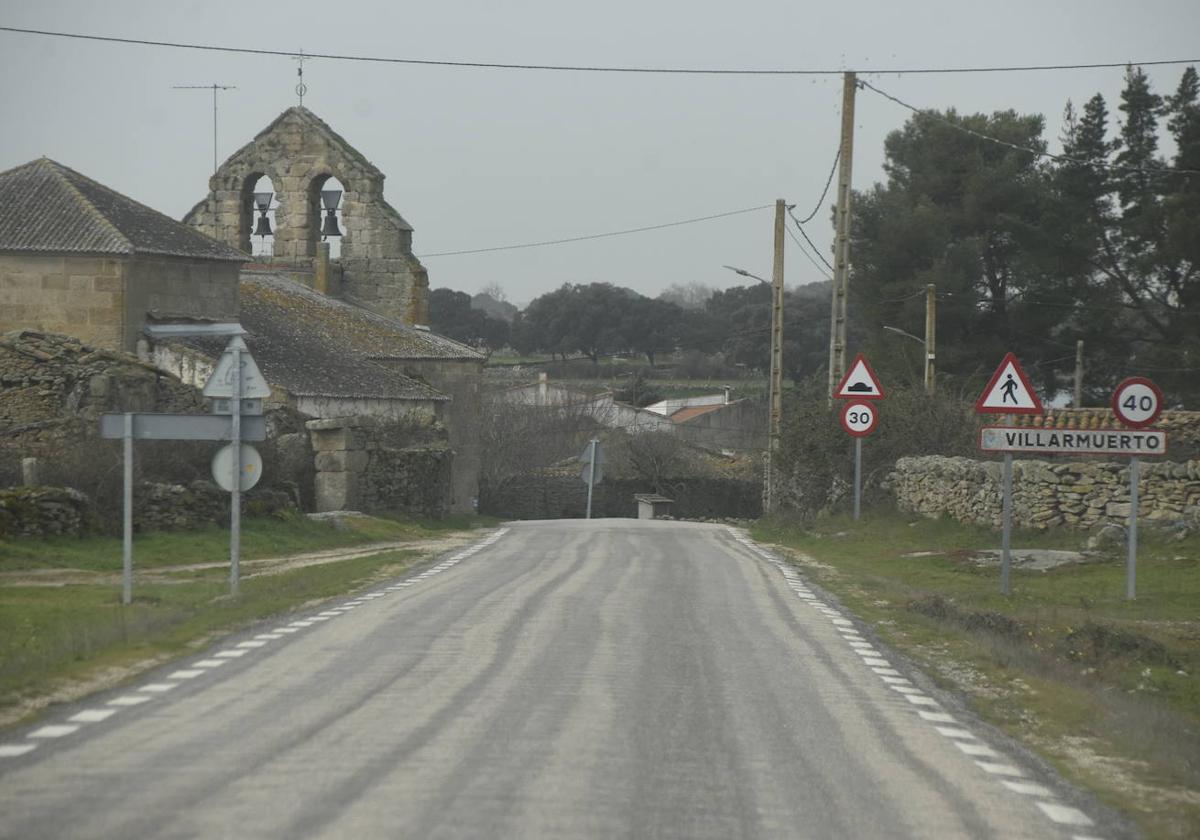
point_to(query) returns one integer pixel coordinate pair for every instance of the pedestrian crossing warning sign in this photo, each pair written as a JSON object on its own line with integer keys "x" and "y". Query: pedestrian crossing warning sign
{"x": 859, "y": 382}
{"x": 1009, "y": 391}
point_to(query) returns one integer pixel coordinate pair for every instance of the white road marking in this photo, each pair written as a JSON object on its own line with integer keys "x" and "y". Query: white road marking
{"x": 971, "y": 748}
{"x": 287, "y": 630}
{"x": 209, "y": 663}
{"x": 93, "y": 715}
{"x": 868, "y": 652}
{"x": 1000, "y": 769}
{"x": 158, "y": 688}
{"x": 251, "y": 643}
{"x": 186, "y": 674}
{"x": 299, "y": 624}
{"x": 328, "y": 614}
{"x": 954, "y": 732}
{"x": 883, "y": 663}
{"x": 231, "y": 654}
{"x": 843, "y": 622}
{"x": 14, "y": 750}
{"x": 895, "y": 680}
{"x": 938, "y": 717}
{"x": 268, "y": 636}
{"x": 54, "y": 731}
{"x": 920, "y": 700}
{"x": 1027, "y": 788}
{"x": 129, "y": 700}
{"x": 1064, "y": 814}
{"x": 319, "y": 618}
{"x": 886, "y": 672}
{"x": 906, "y": 689}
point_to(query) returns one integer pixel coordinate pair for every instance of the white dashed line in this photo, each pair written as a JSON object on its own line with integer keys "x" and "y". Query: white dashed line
{"x": 300, "y": 624}
{"x": 287, "y": 630}
{"x": 251, "y": 643}
{"x": 268, "y": 636}
{"x": 54, "y": 731}
{"x": 230, "y": 654}
{"x": 954, "y": 732}
{"x": 209, "y": 663}
{"x": 999, "y": 769}
{"x": 907, "y": 690}
{"x": 14, "y": 750}
{"x": 920, "y": 700}
{"x": 93, "y": 715}
{"x": 1027, "y": 788}
{"x": 185, "y": 674}
{"x": 158, "y": 688}
{"x": 976, "y": 749}
{"x": 1064, "y": 814}
{"x": 129, "y": 700}
{"x": 937, "y": 717}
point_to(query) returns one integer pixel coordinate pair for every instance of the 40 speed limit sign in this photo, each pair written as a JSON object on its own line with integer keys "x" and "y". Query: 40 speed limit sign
{"x": 1137, "y": 402}
{"x": 859, "y": 419}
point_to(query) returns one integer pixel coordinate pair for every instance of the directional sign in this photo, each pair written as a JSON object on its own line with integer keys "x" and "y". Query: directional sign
{"x": 183, "y": 427}
{"x": 859, "y": 418}
{"x": 1073, "y": 441}
{"x": 1009, "y": 391}
{"x": 220, "y": 384}
{"x": 860, "y": 382}
{"x": 1137, "y": 402}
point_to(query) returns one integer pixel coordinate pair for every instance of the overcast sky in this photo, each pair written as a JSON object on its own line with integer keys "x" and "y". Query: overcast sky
{"x": 477, "y": 158}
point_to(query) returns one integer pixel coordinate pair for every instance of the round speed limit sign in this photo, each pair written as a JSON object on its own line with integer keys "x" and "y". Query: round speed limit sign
{"x": 1137, "y": 402}
{"x": 859, "y": 418}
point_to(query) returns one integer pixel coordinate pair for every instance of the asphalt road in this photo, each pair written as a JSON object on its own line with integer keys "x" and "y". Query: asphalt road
{"x": 565, "y": 679}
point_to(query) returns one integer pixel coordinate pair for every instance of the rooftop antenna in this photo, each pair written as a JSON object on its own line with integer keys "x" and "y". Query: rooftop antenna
{"x": 214, "y": 88}
{"x": 301, "y": 88}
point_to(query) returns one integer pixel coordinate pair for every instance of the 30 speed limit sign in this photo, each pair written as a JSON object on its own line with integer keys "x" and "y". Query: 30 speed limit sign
{"x": 859, "y": 418}
{"x": 1137, "y": 402}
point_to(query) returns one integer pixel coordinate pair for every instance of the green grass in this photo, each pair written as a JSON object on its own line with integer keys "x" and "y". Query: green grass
{"x": 261, "y": 537}
{"x": 53, "y": 635}
{"x": 1064, "y": 661}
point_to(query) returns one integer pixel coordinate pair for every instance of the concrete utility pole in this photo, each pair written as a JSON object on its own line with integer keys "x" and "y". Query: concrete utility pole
{"x": 776, "y": 415}
{"x": 841, "y": 248}
{"x": 930, "y": 338}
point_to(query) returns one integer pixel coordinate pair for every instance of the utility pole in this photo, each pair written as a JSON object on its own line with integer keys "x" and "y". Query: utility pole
{"x": 776, "y": 410}
{"x": 841, "y": 247}
{"x": 1079, "y": 374}
{"x": 930, "y": 338}
{"x": 214, "y": 88}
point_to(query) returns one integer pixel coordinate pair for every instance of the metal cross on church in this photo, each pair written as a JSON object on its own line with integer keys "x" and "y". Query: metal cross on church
{"x": 301, "y": 88}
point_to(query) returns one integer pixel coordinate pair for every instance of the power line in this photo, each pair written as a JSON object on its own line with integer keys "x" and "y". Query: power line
{"x": 594, "y": 235}
{"x": 488, "y": 65}
{"x": 804, "y": 251}
{"x": 816, "y": 250}
{"x": 824, "y": 192}
{"x": 1165, "y": 170}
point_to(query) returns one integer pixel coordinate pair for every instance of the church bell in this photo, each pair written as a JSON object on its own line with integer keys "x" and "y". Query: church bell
{"x": 262, "y": 201}
{"x": 330, "y": 198}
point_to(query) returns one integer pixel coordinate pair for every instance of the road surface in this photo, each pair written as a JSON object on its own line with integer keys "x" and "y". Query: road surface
{"x": 611, "y": 678}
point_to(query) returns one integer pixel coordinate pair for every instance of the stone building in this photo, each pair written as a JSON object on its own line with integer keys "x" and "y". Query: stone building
{"x": 299, "y": 153}
{"x": 81, "y": 259}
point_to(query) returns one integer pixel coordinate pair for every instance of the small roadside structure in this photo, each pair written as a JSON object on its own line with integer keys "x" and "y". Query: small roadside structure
{"x": 653, "y": 506}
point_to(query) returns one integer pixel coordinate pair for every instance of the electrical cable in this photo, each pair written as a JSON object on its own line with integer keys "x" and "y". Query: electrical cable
{"x": 816, "y": 250}
{"x": 594, "y": 235}
{"x": 808, "y": 256}
{"x": 824, "y": 192}
{"x": 1165, "y": 170}
{"x": 487, "y": 65}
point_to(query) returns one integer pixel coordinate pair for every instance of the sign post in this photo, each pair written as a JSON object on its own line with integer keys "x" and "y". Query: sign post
{"x": 593, "y": 461}
{"x": 1137, "y": 402}
{"x": 127, "y": 514}
{"x": 1008, "y": 393}
{"x": 859, "y": 417}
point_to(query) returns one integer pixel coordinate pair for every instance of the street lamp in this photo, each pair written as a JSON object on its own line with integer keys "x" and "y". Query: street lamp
{"x": 745, "y": 273}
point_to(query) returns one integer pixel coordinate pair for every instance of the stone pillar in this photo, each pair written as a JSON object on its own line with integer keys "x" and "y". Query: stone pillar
{"x": 29, "y": 472}
{"x": 340, "y": 444}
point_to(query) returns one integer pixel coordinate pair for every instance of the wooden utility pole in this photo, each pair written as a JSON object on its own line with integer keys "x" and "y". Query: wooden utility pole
{"x": 930, "y": 338}
{"x": 776, "y": 410}
{"x": 841, "y": 246}
{"x": 1079, "y": 374}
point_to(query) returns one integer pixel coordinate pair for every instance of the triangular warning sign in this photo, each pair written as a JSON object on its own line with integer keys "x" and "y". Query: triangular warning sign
{"x": 860, "y": 382}
{"x": 1009, "y": 391}
{"x": 220, "y": 384}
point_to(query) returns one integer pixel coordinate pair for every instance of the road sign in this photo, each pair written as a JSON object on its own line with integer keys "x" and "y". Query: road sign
{"x": 860, "y": 382}
{"x": 220, "y": 384}
{"x": 224, "y": 405}
{"x": 1073, "y": 441}
{"x": 1137, "y": 402}
{"x": 183, "y": 427}
{"x": 586, "y": 473}
{"x": 222, "y": 467}
{"x": 859, "y": 418}
{"x": 1009, "y": 391}
{"x": 586, "y": 456}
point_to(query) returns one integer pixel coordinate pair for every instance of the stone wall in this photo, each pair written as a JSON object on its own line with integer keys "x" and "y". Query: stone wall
{"x": 171, "y": 287}
{"x": 1076, "y": 494}
{"x": 553, "y": 495}
{"x": 376, "y": 467}
{"x": 42, "y": 512}
{"x": 80, "y": 296}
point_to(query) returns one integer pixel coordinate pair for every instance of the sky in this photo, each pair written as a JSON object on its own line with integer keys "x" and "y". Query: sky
{"x": 486, "y": 158}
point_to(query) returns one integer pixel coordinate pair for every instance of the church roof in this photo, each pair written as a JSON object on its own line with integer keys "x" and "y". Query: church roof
{"x": 46, "y": 207}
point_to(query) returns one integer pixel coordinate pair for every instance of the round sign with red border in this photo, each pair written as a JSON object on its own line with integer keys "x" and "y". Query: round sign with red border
{"x": 1137, "y": 402}
{"x": 859, "y": 419}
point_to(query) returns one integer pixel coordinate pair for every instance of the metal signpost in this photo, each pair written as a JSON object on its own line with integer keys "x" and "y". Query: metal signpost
{"x": 1008, "y": 393}
{"x": 593, "y": 469}
{"x": 228, "y": 380}
{"x": 859, "y": 417}
{"x": 1137, "y": 402}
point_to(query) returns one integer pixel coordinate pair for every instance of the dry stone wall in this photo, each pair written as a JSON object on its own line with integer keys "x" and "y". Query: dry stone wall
{"x": 1077, "y": 494}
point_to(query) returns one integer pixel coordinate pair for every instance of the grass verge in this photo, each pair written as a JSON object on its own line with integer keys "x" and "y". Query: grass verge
{"x": 59, "y": 641}
{"x": 1104, "y": 688}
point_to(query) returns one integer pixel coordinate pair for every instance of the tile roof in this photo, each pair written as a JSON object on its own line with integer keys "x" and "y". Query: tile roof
{"x": 692, "y": 411}
{"x": 46, "y": 207}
